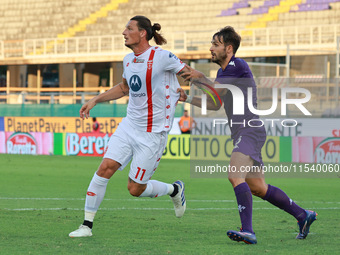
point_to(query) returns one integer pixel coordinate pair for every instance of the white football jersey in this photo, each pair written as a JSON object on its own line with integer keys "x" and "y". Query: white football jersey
{"x": 153, "y": 84}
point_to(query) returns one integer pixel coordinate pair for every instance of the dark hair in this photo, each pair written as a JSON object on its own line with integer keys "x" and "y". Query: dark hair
{"x": 228, "y": 36}
{"x": 94, "y": 118}
{"x": 144, "y": 23}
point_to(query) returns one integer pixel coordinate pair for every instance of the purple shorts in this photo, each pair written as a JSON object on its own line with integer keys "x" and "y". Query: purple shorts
{"x": 250, "y": 143}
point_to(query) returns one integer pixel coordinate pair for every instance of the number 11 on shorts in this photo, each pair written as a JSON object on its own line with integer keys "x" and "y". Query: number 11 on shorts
{"x": 143, "y": 170}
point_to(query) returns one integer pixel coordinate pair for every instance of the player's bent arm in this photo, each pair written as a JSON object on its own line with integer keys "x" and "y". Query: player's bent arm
{"x": 197, "y": 101}
{"x": 118, "y": 91}
{"x": 196, "y": 77}
{"x": 201, "y": 81}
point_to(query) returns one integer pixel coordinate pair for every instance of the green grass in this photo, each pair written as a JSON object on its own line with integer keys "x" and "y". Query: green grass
{"x": 127, "y": 225}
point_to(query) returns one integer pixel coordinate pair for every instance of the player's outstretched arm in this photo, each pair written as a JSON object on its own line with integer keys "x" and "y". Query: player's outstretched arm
{"x": 118, "y": 91}
{"x": 211, "y": 105}
{"x": 200, "y": 80}
{"x": 196, "y": 77}
{"x": 197, "y": 101}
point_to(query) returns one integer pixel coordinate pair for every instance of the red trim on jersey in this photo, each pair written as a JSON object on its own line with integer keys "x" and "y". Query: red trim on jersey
{"x": 140, "y": 53}
{"x": 149, "y": 90}
{"x": 181, "y": 69}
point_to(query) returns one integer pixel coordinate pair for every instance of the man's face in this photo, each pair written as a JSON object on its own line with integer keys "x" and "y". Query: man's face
{"x": 131, "y": 34}
{"x": 218, "y": 51}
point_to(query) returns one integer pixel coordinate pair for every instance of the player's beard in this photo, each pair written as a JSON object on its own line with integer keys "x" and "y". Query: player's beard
{"x": 220, "y": 58}
{"x": 129, "y": 46}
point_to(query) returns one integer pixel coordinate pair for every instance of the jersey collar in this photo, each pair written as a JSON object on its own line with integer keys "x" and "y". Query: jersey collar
{"x": 138, "y": 54}
{"x": 231, "y": 59}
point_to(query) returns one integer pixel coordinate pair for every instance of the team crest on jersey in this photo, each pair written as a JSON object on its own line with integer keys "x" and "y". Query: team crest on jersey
{"x": 232, "y": 63}
{"x": 150, "y": 62}
{"x": 135, "y": 83}
{"x": 138, "y": 60}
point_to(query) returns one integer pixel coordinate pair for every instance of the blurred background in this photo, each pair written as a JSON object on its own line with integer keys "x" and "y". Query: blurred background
{"x": 55, "y": 55}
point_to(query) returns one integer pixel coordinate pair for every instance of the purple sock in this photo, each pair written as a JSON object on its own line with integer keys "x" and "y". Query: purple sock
{"x": 245, "y": 206}
{"x": 280, "y": 199}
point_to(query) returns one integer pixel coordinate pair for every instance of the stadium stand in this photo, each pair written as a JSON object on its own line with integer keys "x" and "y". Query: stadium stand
{"x": 83, "y": 38}
{"x": 31, "y": 19}
{"x": 36, "y": 19}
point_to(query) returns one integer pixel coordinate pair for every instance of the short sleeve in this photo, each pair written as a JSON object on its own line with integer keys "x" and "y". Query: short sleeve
{"x": 172, "y": 62}
{"x": 124, "y": 65}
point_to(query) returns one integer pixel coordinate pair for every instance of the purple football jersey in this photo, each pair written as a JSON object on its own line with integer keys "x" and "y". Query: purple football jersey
{"x": 238, "y": 73}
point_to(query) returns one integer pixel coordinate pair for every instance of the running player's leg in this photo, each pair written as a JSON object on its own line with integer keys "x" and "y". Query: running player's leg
{"x": 247, "y": 149}
{"x": 281, "y": 200}
{"x": 236, "y": 176}
{"x": 154, "y": 188}
{"x": 241, "y": 188}
{"x": 256, "y": 181}
{"x": 148, "y": 150}
{"x": 276, "y": 197}
{"x": 97, "y": 188}
{"x": 95, "y": 194}
{"x": 117, "y": 156}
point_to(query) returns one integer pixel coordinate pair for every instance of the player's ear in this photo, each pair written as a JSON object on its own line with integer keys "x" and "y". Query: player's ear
{"x": 230, "y": 49}
{"x": 142, "y": 33}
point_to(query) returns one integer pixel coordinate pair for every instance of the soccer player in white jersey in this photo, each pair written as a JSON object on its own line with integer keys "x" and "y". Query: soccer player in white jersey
{"x": 150, "y": 80}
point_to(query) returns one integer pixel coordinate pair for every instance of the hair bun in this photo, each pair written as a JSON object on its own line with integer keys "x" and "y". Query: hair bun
{"x": 156, "y": 27}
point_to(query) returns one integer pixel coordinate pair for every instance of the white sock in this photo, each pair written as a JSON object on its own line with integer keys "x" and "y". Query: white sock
{"x": 157, "y": 189}
{"x": 94, "y": 196}
{"x": 89, "y": 216}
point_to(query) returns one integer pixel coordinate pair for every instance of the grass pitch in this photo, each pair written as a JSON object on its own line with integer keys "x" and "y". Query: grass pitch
{"x": 42, "y": 200}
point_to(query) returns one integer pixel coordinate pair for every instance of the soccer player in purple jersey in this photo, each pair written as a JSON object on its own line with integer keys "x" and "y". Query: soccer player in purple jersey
{"x": 247, "y": 140}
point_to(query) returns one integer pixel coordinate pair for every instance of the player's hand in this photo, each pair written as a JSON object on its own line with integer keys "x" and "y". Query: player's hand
{"x": 84, "y": 111}
{"x": 191, "y": 74}
{"x": 183, "y": 96}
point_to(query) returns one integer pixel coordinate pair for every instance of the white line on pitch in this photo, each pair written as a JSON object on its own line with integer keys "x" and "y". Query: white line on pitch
{"x": 146, "y": 209}
{"x": 111, "y": 199}
{"x": 150, "y": 200}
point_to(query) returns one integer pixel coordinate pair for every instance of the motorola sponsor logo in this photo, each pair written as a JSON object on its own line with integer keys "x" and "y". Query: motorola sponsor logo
{"x": 138, "y": 94}
{"x": 135, "y": 83}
